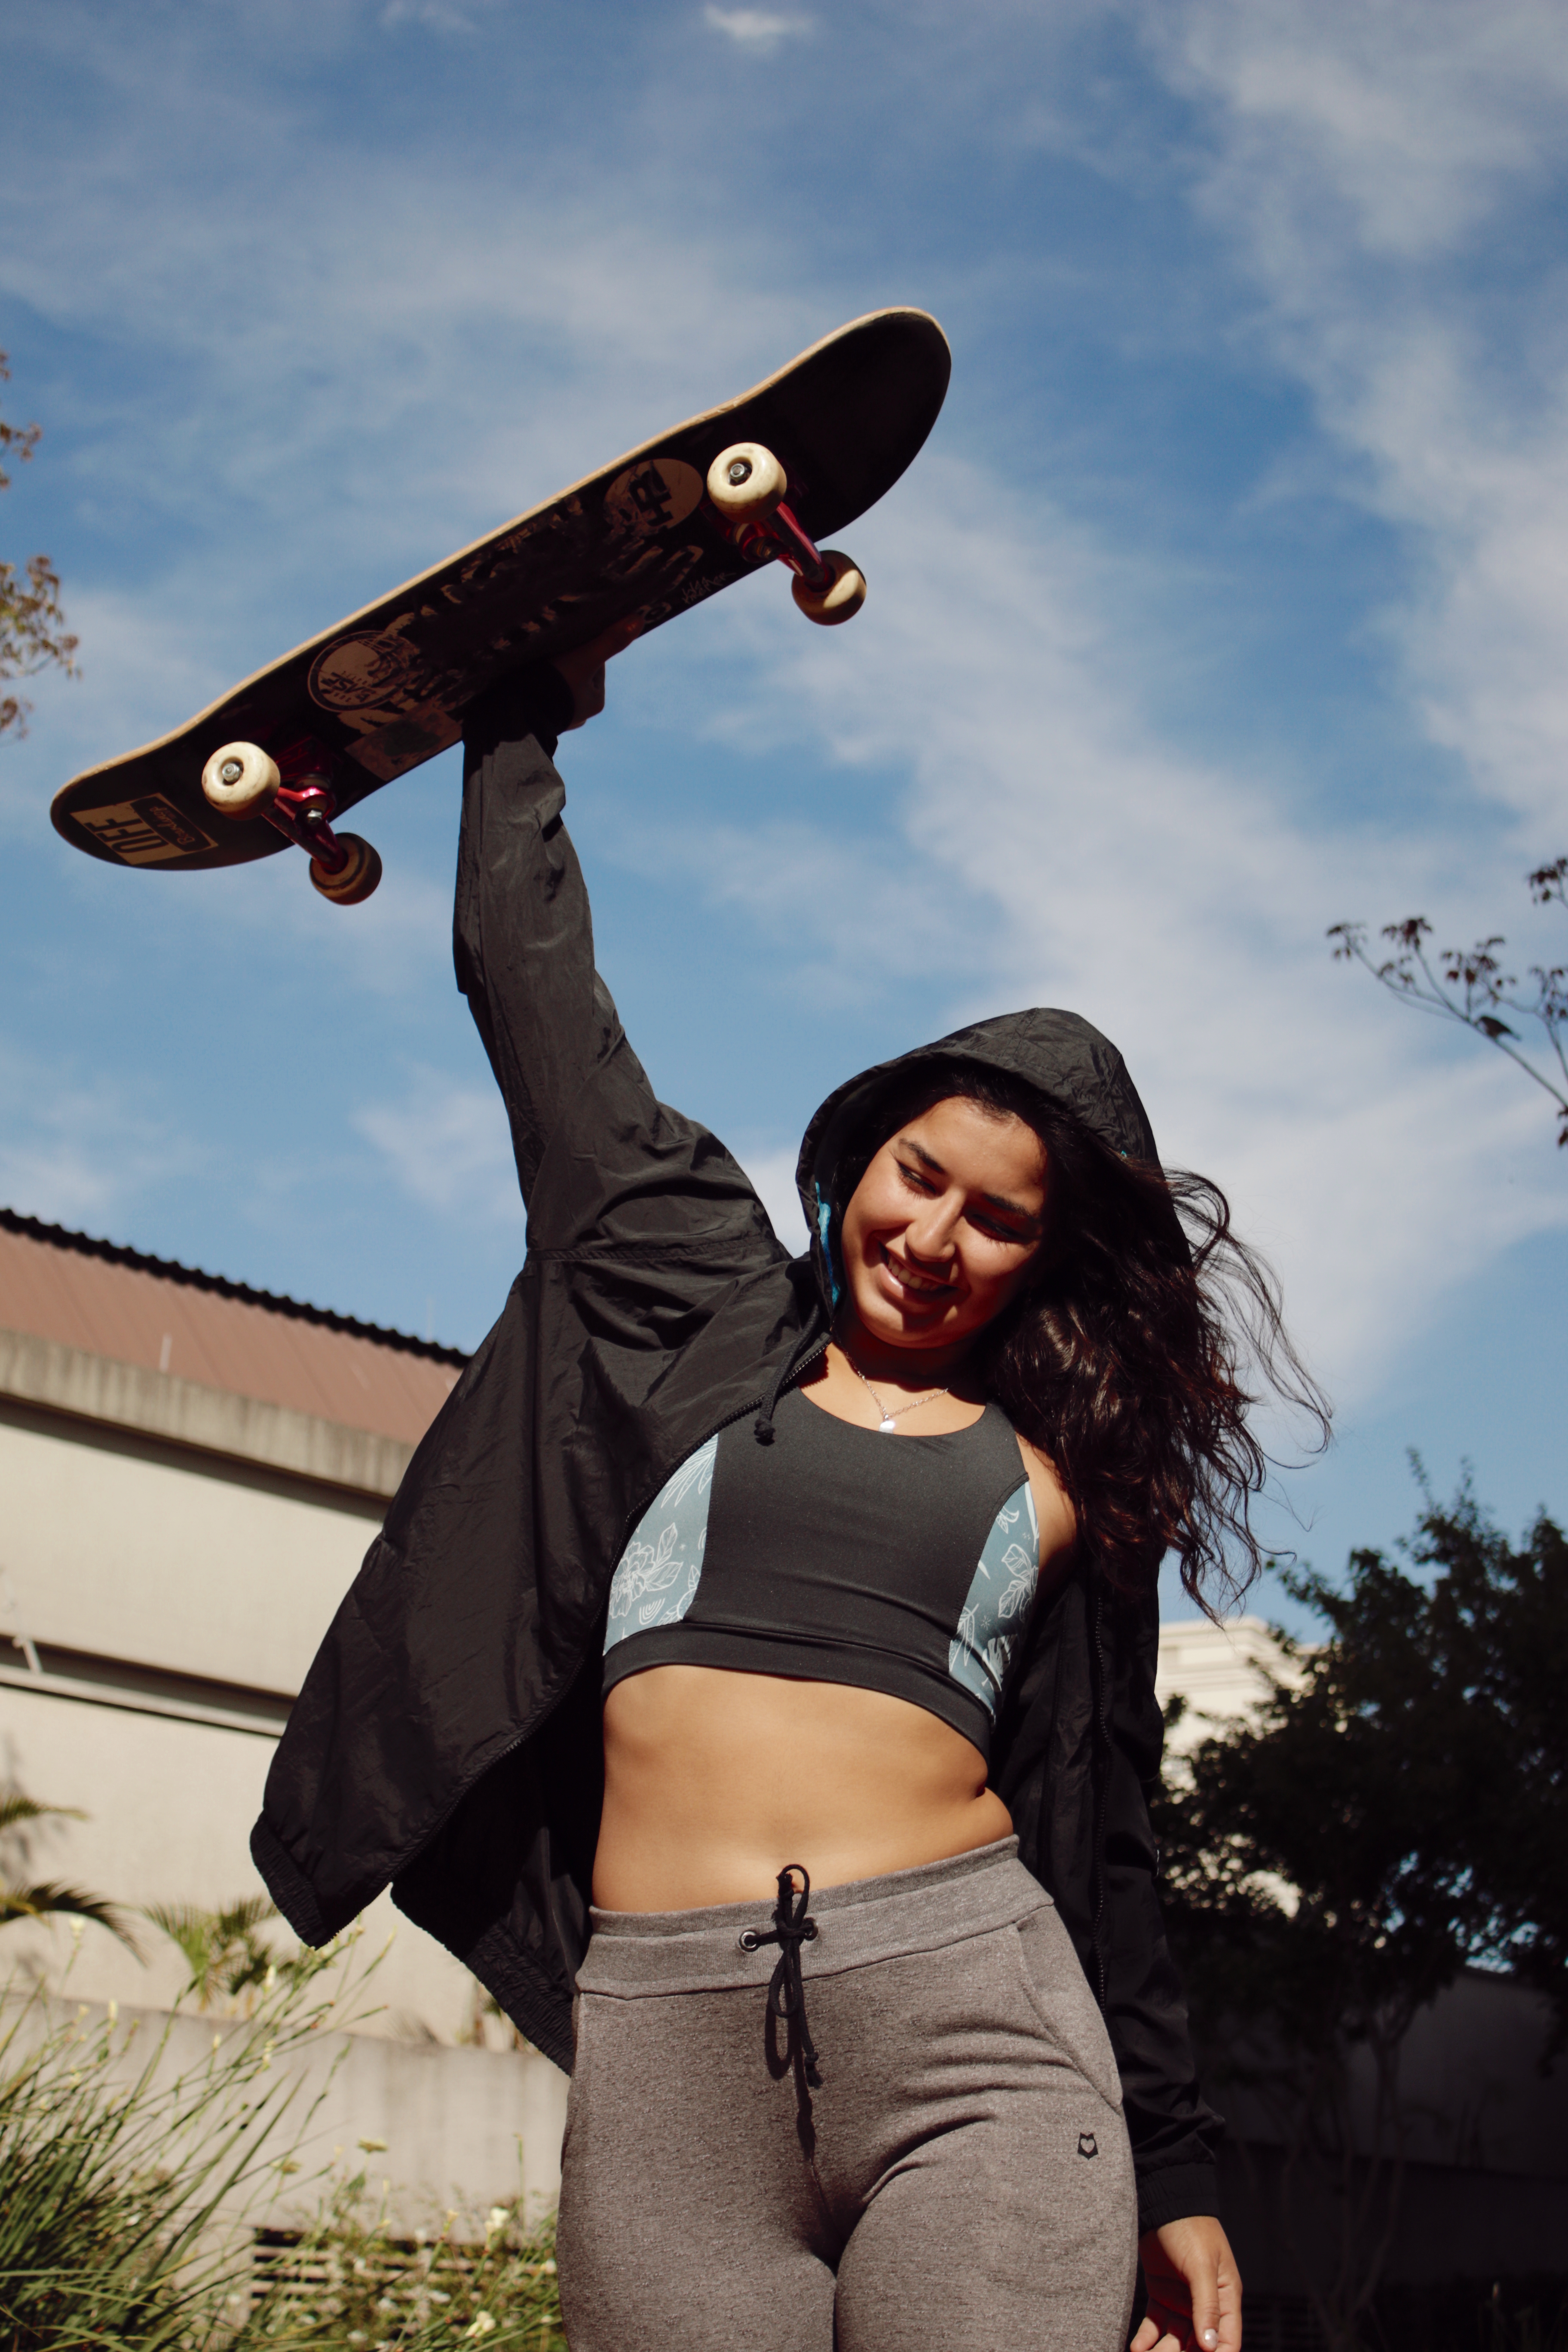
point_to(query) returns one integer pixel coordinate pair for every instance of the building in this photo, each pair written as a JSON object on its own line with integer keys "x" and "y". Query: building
{"x": 190, "y": 1474}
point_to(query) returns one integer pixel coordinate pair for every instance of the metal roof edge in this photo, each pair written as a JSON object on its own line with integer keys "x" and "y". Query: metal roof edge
{"x": 169, "y": 1269}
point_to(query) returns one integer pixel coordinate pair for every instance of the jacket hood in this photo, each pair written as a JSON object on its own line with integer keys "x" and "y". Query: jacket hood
{"x": 1060, "y": 1054}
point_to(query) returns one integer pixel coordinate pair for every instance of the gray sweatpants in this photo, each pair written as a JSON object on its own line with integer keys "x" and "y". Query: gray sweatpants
{"x": 961, "y": 2178}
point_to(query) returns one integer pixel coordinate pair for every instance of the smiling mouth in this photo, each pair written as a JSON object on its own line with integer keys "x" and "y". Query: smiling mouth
{"x": 918, "y": 1286}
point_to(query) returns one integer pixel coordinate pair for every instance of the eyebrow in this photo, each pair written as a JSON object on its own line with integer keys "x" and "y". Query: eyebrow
{"x": 997, "y": 1200}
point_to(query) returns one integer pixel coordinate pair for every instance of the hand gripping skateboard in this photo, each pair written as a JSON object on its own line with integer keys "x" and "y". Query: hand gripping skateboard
{"x": 768, "y": 476}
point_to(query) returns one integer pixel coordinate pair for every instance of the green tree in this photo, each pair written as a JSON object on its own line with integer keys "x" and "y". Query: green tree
{"x": 1470, "y": 985}
{"x": 33, "y": 634}
{"x": 23, "y": 1898}
{"x": 1500, "y": 1613}
{"x": 1394, "y": 1813}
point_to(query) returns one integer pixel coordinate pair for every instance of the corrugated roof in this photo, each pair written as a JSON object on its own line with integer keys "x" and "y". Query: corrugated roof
{"x": 168, "y": 1318}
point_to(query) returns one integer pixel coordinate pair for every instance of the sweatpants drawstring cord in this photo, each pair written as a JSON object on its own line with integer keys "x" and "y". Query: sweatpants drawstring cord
{"x": 790, "y": 1930}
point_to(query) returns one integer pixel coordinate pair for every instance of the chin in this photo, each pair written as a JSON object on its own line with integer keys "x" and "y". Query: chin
{"x": 904, "y": 1326}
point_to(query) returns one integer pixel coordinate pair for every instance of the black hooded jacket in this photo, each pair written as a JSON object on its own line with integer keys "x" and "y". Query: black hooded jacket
{"x": 447, "y": 1737}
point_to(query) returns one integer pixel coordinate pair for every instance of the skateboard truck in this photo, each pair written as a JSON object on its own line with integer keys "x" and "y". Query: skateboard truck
{"x": 746, "y": 485}
{"x": 242, "y": 780}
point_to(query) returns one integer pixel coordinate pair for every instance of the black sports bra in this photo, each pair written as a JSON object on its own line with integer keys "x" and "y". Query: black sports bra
{"x": 907, "y": 1567}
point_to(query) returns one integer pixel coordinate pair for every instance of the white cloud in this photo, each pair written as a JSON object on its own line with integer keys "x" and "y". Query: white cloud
{"x": 446, "y": 1145}
{"x": 760, "y": 30}
{"x": 436, "y": 16}
{"x": 384, "y": 356}
{"x": 1360, "y": 154}
{"x": 1414, "y": 120}
{"x": 771, "y": 1174}
{"x": 83, "y": 1153}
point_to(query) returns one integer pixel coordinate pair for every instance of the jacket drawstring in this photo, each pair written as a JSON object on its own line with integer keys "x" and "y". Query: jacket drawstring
{"x": 790, "y": 1930}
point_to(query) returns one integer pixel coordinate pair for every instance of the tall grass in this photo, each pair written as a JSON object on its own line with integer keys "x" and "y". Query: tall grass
{"x": 129, "y": 2170}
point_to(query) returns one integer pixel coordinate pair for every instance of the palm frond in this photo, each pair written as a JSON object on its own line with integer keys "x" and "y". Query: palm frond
{"x": 46, "y": 1898}
{"x": 14, "y": 1808}
{"x": 223, "y": 1950}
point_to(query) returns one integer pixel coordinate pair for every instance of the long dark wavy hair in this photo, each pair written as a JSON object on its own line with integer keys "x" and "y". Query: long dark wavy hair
{"x": 1126, "y": 1358}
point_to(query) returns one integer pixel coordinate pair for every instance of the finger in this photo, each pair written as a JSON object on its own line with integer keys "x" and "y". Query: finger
{"x": 1162, "y": 2330}
{"x": 1203, "y": 2283}
{"x": 604, "y": 646}
{"x": 1230, "y": 2307}
{"x": 587, "y": 698}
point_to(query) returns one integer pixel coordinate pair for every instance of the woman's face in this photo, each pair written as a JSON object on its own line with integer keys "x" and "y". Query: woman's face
{"x": 944, "y": 1225}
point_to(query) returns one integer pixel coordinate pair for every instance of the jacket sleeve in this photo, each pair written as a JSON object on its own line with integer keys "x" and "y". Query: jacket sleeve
{"x": 1174, "y": 2134}
{"x": 523, "y": 936}
{"x": 606, "y": 1170}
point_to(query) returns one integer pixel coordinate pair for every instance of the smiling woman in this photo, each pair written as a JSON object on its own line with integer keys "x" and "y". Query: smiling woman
{"x": 673, "y": 1697}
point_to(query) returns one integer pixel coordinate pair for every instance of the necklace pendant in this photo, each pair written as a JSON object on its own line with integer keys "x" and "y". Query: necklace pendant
{"x": 888, "y": 1427}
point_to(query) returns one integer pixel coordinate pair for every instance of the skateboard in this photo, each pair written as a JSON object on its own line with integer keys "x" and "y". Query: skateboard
{"x": 766, "y": 476}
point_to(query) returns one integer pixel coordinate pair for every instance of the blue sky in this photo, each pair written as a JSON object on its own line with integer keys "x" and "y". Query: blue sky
{"x": 1227, "y": 602}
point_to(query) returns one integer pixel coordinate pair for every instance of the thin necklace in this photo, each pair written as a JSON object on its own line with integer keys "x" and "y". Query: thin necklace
{"x": 886, "y": 1425}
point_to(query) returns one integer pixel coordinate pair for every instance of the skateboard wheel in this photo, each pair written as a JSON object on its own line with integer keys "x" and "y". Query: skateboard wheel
{"x": 353, "y": 881}
{"x": 841, "y": 600}
{"x": 746, "y": 482}
{"x": 240, "y": 780}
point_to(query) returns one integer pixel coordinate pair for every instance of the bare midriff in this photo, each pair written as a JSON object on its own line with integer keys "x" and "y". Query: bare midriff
{"x": 714, "y": 1781}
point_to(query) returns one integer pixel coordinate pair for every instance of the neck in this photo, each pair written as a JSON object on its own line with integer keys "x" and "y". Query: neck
{"x": 911, "y": 1370}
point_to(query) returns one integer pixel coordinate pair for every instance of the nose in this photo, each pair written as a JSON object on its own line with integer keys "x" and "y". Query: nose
{"x": 930, "y": 1231}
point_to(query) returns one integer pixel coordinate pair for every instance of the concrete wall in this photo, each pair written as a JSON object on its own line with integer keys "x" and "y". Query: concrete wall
{"x": 461, "y": 2129}
{"x": 159, "y": 1605}
{"x": 120, "y": 1546}
{"x": 170, "y": 1556}
{"x": 1486, "y": 2190}
{"x": 170, "y": 1804}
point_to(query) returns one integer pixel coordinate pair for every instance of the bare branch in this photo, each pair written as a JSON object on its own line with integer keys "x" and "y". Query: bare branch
{"x": 16, "y": 440}
{"x": 33, "y": 634}
{"x": 1469, "y": 985}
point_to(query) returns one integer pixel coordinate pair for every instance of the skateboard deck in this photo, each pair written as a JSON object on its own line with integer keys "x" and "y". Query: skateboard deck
{"x": 364, "y": 703}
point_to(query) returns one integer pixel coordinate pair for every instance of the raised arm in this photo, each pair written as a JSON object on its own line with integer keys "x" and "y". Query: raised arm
{"x": 629, "y": 1173}
{"x": 523, "y": 936}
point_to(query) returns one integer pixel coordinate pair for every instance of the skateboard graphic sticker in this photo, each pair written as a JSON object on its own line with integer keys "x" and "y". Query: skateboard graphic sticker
{"x": 148, "y": 830}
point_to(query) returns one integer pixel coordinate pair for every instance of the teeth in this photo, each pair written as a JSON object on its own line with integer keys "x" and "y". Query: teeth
{"x": 912, "y": 1281}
